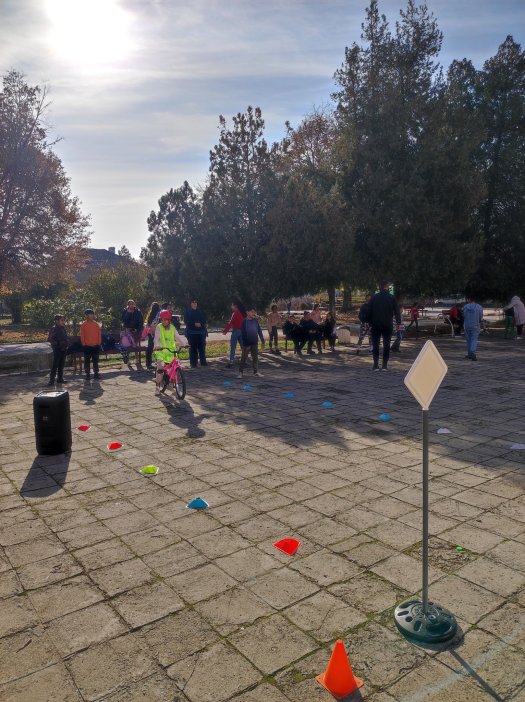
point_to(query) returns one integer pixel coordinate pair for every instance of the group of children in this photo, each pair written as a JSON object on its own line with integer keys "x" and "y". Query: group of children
{"x": 90, "y": 338}
{"x": 246, "y": 331}
{"x": 310, "y": 330}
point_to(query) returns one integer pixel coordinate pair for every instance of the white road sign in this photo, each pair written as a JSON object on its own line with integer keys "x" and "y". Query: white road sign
{"x": 426, "y": 375}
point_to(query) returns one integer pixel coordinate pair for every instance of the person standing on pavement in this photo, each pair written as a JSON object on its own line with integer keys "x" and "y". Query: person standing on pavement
{"x": 91, "y": 339}
{"x": 472, "y": 318}
{"x": 518, "y": 309}
{"x": 414, "y": 316}
{"x": 251, "y": 333}
{"x": 273, "y": 321}
{"x": 132, "y": 321}
{"x": 152, "y": 319}
{"x": 57, "y": 337}
{"x": 235, "y": 323}
{"x": 196, "y": 333}
{"x": 383, "y": 310}
{"x": 364, "y": 324}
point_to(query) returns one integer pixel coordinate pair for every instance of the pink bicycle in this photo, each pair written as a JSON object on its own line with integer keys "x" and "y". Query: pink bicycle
{"x": 173, "y": 374}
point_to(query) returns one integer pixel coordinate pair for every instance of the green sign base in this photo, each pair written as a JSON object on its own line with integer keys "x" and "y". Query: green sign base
{"x": 435, "y": 625}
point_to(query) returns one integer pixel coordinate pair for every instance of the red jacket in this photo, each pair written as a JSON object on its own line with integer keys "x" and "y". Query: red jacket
{"x": 235, "y": 322}
{"x": 455, "y": 314}
{"x": 414, "y": 313}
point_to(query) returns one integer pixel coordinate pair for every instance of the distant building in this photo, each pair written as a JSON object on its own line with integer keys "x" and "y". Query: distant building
{"x": 96, "y": 260}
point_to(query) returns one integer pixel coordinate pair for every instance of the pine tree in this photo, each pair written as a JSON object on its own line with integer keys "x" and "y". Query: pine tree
{"x": 399, "y": 157}
{"x": 502, "y": 162}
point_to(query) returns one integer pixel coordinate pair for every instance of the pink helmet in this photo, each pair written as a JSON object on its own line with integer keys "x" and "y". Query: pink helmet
{"x": 165, "y": 314}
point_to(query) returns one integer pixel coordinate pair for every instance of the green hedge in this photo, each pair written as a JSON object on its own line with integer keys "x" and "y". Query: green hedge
{"x": 40, "y": 313}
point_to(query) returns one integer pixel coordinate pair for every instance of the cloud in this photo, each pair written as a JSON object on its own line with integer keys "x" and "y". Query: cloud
{"x": 137, "y": 126}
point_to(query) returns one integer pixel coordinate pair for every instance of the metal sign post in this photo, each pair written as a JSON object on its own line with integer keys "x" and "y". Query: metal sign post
{"x": 422, "y": 620}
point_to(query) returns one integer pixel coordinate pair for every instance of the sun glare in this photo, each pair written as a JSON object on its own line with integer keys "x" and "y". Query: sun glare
{"x": 89, "y": 33}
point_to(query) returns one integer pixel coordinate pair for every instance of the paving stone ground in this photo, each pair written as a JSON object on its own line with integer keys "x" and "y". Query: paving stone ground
{"x": 110, "y": 589}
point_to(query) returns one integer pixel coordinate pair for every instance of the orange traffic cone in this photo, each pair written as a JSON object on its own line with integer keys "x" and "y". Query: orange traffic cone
{"x": 338, "y": 677}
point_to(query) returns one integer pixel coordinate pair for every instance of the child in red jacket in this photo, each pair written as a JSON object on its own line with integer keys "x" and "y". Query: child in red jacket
{"x": 414, "y": 316}
{"x": 235, "y": 324}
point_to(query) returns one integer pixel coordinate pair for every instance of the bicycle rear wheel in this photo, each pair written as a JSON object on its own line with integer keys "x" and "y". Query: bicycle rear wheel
{"x": 164, "y": 382}
{"x": 179, "y": 384}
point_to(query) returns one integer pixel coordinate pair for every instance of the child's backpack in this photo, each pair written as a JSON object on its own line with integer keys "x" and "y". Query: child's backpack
{"x": 126, "y": 340}
{"x": 108, "y": 342}
{"x": 74, "y": 347}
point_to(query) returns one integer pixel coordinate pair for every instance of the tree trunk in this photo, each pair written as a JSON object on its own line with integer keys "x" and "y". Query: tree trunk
{"x": 331, "y": 300}
{"x": 15, "y": 302}
{"x": 347, "y": 298}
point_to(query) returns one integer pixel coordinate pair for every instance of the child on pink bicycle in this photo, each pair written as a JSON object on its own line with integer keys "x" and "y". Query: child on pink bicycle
{"x": 165, "y": 345}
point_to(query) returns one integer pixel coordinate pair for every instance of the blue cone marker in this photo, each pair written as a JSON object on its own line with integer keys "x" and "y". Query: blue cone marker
{"x": 385, "y": 417}
{"x": 197, "y": 503}
{"x": 289, "y": 395}
{"x": 328, "y": 404}
{"x": 227, "y": 382}
{"x": 246, "y": 387}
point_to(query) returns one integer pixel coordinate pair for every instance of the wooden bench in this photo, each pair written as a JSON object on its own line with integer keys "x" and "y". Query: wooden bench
{"x": 444, "y": 318}
{"x": 78, "y": 356}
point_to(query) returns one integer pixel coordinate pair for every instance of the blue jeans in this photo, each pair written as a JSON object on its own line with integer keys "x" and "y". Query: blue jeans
{"x": 235, "y": 337}
{"x": 471, "y": 337}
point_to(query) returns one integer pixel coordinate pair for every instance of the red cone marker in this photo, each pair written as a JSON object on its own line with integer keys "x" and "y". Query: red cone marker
{"x": 114, "y": 445}
{"x": 288, "y": 546}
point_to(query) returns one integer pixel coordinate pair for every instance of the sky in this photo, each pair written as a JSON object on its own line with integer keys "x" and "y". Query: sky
{"x": 136, "y": 86}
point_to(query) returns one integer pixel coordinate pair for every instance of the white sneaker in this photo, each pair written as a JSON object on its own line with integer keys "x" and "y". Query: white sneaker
{"x": 157, "y": 390}
{"x": 518, "y": 338}
{"x": 239, "y": 377}
{"x": 258, "y": 375}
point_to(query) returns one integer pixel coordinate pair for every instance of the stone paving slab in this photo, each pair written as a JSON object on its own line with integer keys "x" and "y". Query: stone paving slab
{"x": 111, "y": 589}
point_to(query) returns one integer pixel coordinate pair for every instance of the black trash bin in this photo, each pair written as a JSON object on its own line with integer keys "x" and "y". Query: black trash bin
{"x": 52, "y": 422}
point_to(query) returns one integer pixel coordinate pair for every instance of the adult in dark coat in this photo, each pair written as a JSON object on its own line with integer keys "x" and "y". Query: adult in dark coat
{"x": 196, "y": 333}
{"x": 57, "y": 337}
{"x": 383, "y": 309}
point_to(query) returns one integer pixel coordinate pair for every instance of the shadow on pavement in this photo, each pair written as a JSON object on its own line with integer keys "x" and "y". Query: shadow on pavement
{"x": 140, "y": 375}
{"x": 90, "y": 392}
{"x": 469, "y": 670}
{"x": 182, "y": 415}
{"x": 46, "y": 476}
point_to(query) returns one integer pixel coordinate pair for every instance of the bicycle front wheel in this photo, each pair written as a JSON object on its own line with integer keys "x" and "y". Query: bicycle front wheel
{"x": 179, "y": 384}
